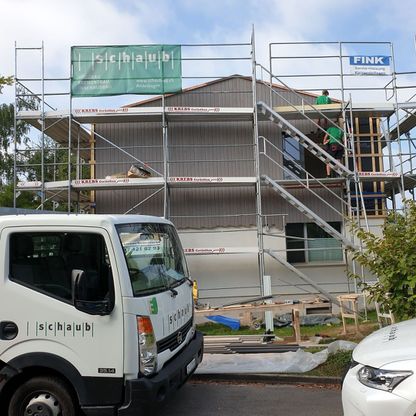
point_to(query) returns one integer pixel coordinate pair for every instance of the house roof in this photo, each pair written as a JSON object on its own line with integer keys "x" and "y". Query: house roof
{"x": 216, "y": 81}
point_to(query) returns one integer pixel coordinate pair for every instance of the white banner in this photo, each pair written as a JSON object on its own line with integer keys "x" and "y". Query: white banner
{"x": 370, "y": 65}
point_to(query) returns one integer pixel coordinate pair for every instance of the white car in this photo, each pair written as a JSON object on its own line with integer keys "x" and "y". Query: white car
{"x": 382, "y": 377}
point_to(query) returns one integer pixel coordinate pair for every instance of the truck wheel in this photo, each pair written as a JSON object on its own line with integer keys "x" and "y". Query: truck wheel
{"x": 42, "y": 396}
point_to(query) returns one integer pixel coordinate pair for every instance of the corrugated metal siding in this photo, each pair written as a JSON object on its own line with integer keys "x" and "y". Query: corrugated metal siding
{"x": 142, "y": 140}
{"x": 202, "y": 149}
{"x": 275, "y": 204}
{"x": 211, "y": 149}
{"x": 231, "y": 92}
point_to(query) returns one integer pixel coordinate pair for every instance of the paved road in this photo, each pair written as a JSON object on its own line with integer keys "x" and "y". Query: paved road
{"x": 209, "y": 399}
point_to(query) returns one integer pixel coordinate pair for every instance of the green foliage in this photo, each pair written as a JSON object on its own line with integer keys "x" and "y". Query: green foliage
{"x": 55, "y": 161}
{"x": 7, "y": 133}
{"x": 5, "y": 81}
{"x": 29, "y": 155}
{"x": 25, "y": 200}
{"x": 7, "y": 138}
{"x": 392, "y": 258}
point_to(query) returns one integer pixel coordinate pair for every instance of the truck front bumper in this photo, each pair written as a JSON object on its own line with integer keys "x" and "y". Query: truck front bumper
{"x": 150, "y": 391}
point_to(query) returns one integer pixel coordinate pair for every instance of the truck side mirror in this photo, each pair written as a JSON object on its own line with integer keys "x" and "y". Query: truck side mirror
{"x": 81, "y": 299}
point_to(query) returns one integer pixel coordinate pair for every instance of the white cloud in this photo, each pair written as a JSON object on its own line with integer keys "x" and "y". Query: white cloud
{"x": 61, "y": 24}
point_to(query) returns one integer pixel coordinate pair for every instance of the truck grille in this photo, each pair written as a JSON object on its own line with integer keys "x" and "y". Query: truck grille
{"x": 174, "y": 340}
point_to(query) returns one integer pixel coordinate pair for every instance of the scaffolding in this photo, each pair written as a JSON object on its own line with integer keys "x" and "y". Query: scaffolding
{"x": 68, "y": 147}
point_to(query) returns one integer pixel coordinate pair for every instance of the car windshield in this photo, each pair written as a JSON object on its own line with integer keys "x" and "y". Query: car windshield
{"x": 154, "y": 256}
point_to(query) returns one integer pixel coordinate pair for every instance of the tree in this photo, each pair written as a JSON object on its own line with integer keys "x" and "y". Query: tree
{"x": 5, "y": 81}
{"x": 26, "y": 199}
{"x": 392, "y": 259}
{"x": 7, "y": 135}
{"x": 7, "y": 139}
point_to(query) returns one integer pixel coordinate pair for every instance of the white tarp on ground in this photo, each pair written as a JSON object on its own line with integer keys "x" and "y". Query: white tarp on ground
{"x": 287, "y": 362}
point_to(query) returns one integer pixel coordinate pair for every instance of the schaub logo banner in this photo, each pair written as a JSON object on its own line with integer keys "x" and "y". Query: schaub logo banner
{"x": 115, "y": 70}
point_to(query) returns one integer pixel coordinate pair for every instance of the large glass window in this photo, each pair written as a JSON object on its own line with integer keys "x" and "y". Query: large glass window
{"x": 154, "y": 256}
{"x": 309, "y": 243}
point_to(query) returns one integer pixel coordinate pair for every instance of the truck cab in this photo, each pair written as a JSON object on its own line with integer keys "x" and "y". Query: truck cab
{"x": 96, "y": 314}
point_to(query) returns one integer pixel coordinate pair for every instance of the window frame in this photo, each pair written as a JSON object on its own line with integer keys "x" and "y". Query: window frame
{"x": 154, "y": 228}
{"x": 306, "y": 248}
{"x": 52, "y": 230}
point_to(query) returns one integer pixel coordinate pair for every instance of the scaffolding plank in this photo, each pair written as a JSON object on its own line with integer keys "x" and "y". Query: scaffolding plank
{"x": 177, "y": 113}
{"x": 185, "y": 181}
{"x": 135, "y": 114}
{"x": 378, "y": 176}
{"x": 116, "y": 183}
{"x": 126, "y": 183}
{"x": 198, "y": 251}
{"x": 54, "y": 191}
{"x": 197, "y": 181}
{"x": 334, "y": 110}
{"x": 117, "y": 115}
{"x": 94, "y": 184}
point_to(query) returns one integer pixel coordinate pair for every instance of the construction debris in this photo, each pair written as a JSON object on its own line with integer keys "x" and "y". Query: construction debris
{"x": 287, "y": 362}
{"x": 135, "y": 171}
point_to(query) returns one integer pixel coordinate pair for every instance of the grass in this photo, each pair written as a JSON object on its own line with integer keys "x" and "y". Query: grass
{"x": 335, "y": 366}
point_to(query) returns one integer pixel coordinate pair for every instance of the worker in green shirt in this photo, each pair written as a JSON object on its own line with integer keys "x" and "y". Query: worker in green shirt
{"x": 321, "y": 100}
{"x": 333, "y": 142}
{"x": 324, "y": 98}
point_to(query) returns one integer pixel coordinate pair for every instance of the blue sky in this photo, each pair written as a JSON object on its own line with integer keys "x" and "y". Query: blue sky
{"x": 61, "y": 23}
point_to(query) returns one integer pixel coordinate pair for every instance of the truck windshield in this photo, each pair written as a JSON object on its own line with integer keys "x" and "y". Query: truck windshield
{"x": 154, "y": 256}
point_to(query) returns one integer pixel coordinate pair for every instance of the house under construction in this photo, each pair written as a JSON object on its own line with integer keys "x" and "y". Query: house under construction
{"x": 237, "y": 162}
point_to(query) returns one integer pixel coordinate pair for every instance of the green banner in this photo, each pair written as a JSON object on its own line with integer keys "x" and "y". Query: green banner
{"x": 116, "y": 70}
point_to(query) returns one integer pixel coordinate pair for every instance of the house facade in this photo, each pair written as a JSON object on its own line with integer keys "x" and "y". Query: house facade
{"x": 238, "y": 164}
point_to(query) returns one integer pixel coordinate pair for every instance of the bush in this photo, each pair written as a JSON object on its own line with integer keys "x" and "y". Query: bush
{"x": 392, "y": 258}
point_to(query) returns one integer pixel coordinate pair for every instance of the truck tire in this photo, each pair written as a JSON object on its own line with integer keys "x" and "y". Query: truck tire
{"x": 43, "y": 396}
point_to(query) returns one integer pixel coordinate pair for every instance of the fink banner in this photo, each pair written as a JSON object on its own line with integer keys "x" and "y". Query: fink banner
{"x": 370, "y": 65}
{"x": 116, "y": 70}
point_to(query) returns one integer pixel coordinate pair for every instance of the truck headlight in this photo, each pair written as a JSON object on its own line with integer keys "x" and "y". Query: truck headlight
{"x": 381, "y": 379}
{"x": 147, "y": 345}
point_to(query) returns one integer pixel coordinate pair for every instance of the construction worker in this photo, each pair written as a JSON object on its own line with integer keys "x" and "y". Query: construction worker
{"x": 321, "y": 100}
{"x": 324, "y": 98}
{"x": 333, "y": 142}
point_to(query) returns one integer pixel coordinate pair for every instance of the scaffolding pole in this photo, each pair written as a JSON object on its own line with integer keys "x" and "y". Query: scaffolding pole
{"x": 259, "y": 213}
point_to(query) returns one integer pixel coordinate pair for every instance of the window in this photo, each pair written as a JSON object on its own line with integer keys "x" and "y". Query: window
{"x": 154, "y": 257}
{"x": 295, "y": 243}
{"x": 292, "y": 156}
{"x": 309, "y": 243}
{"x": 45, "y": 261}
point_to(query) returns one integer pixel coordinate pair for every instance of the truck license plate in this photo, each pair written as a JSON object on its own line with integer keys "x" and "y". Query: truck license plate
{"x": 191, "y": 366}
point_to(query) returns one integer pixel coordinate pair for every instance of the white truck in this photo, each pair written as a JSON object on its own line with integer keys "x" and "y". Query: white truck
{"x": 96, "y": 314}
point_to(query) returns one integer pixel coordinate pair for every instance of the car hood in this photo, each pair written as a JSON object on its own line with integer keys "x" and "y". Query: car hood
{"x": 395, "y": 342}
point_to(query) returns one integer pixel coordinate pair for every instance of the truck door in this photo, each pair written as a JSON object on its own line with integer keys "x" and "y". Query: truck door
{"x": 37, "y": 301}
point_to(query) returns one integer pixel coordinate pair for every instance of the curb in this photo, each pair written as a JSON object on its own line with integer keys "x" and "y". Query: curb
{"x": 267, "y": 378}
